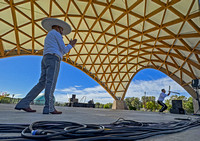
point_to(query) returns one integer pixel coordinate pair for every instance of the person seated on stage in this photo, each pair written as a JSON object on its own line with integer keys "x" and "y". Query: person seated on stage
{"x": 161, "y": 99}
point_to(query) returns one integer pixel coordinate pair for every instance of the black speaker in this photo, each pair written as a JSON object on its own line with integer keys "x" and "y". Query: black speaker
{"x": 176, "y": 104}
{"x": 181, "y": 111}
{"x": 174, "y": 111}
{"x": 196, "y": 83}
{"x": 177, "y": 107}
{"x": 177, "y": 111}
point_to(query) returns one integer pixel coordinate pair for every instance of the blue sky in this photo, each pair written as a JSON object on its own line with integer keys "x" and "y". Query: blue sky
{"x": 19, "y": 74}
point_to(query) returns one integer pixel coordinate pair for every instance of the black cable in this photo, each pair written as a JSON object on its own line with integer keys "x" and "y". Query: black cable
{"x": 133, "y": 136}
{"x": 47, "y": 129}
{"x": 14, "y": 128}
{"x": 123, "y": 122}
{"x": 119, "y": 130}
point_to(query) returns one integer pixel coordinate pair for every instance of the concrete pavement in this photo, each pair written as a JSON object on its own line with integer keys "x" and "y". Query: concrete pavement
{"x": 98, "y": 116}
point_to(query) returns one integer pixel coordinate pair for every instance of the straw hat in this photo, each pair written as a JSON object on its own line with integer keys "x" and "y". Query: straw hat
{"x": 47, "y": 24}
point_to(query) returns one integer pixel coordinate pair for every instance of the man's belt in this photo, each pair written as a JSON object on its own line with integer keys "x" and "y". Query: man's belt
{"x": 55, "y": 55}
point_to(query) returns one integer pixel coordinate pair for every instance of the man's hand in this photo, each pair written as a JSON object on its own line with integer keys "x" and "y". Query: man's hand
{"x": 72, "y": 42}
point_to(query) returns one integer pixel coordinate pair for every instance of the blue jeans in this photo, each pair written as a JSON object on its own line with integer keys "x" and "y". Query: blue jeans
{"x": 50, "y": 67}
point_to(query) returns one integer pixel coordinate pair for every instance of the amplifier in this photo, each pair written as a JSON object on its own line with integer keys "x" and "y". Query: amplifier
{"x": 177, "y": 104}
{"x": 177, "y": 111}
{"x": 177, "y": 107}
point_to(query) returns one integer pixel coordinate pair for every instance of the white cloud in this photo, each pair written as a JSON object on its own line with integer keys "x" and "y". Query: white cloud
{"x": 16, "y": 95}
{"x": 97, "y": 93}
{"x": 153, "y": 87}
{"x": 136, "y": 89}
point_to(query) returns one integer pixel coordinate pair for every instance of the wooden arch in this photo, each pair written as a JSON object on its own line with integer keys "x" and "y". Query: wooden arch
{"x": 116, "y": 38}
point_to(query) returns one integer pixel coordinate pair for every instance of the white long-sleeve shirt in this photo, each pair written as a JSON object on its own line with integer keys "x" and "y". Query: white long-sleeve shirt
{"x": 54, "y": 44}
{"x": 162, "y": 96}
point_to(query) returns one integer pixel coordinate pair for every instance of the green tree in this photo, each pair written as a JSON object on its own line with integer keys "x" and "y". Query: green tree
{"x": 188, "y": 105}
{"x": 97, "y": 104}
{"x": 108, "y": 106}
{"x": 101, "y": 105}
{"x": 151, "y": 102}
{"x": 144, "y": 101}
{"x": 151, "y": 105}
{"x": 136, "y": 103}
{"x": 158, "y": 106}
{"x": 5, "y": 98}
{"x": 128, "y": 102}
{"x": 168, "y": 102}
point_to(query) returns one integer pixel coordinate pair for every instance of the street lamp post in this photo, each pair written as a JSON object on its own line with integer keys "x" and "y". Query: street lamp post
{"x": 145, "y": 100}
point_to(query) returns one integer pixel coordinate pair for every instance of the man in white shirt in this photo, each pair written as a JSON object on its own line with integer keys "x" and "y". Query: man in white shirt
{"x": 161, "y": 99}
{"x": 54, "y": 49}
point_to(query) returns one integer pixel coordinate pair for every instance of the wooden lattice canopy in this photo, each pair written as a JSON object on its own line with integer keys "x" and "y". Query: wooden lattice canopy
{"x": 116, "y": 38}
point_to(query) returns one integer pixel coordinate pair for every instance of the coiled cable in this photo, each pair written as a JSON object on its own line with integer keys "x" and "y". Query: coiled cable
{"x": 121, "y": 129}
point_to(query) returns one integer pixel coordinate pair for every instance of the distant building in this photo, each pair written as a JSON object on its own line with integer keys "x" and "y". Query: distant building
{"x": 40, "y": 100}
{"x": 73, "y": 102}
